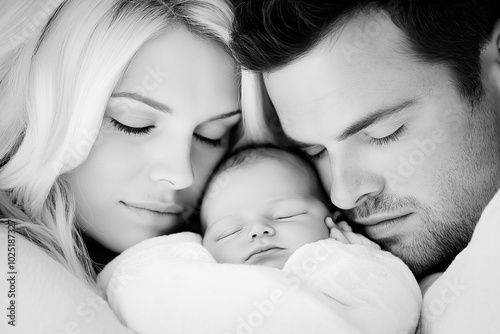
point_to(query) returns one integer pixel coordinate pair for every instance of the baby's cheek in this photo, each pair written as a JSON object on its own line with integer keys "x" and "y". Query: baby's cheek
{"x": 218, "y": 252}
{"x": 228, "y": 253}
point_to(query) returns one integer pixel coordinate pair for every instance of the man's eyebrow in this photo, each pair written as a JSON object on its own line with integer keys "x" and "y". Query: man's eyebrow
{"x": 375, "y": 117}
{"x": 369, "y": 120}
{"x": 146, "y": 100}
{"x": 163, "y": 108}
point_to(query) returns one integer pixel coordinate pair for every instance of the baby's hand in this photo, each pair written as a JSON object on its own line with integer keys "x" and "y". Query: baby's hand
{"x": 342, "y": 232}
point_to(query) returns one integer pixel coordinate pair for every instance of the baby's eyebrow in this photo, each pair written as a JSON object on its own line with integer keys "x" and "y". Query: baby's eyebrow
{"x": 217, "y": 222}
{"x": 292, "y": 199}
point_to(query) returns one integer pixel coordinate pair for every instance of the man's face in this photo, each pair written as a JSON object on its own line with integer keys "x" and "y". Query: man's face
{"x": 411, "y": 162}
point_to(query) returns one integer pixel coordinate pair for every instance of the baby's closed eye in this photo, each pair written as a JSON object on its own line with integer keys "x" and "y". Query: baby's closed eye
{"x": 228, "y": 232}
{"x": 288, "y": 214}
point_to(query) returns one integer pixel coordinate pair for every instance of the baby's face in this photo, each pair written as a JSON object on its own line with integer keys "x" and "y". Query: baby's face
{"x": 261, "y": 213}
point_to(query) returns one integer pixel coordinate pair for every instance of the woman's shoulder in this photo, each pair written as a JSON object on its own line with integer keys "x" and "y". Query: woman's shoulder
{"x": 43, "y": 296}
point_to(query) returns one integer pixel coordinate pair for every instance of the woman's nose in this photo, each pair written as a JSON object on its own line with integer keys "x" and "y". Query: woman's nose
{"x": 260, "y": 230}
{"x": 174, "y": 167}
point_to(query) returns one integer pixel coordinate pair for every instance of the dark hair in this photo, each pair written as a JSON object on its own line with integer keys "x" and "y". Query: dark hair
{"x": 269, "y": 34}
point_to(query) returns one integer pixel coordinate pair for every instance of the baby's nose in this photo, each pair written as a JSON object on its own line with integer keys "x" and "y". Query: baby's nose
{"x": 260, "y": 230}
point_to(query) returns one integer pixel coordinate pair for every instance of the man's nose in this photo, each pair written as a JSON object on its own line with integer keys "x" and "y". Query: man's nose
{"x": 352, "y": 181}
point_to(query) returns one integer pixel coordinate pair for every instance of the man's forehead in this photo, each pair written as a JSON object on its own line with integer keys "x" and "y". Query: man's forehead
{"x": 350, "y": 50}
{"x": 325, "y": 82}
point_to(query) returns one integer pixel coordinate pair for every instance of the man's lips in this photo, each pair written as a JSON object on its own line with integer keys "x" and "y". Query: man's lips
{"x": 380, "y": 227}
{"x": 377, "y": 219}
{"x": 264, "y": 251}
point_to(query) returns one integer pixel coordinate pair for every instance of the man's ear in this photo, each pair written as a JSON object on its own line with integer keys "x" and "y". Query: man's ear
{"x": 496, "y": 41}
{"x": 490, "y": 60}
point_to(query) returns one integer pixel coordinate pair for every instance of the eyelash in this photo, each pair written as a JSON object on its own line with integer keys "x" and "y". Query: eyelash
{"x": 145, "y": 130}
{"x": 223, "y": 235}
{"x": 289, "y": 216}
{"x": 390, "y": 138}
{"x": 210, "y": 142}
{"x": 318, "y": 155}
{"x": 130, "y": 130}
{"x": 377, "y": 141}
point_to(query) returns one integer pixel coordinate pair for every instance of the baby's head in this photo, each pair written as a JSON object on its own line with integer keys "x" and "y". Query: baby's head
{"x": 261, "y": 205}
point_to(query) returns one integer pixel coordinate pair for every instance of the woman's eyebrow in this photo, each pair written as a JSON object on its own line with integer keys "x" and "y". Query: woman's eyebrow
{"x": 224, "y": 116}
{"x": 163, "y": 108}
{"x": 146, "y": 100}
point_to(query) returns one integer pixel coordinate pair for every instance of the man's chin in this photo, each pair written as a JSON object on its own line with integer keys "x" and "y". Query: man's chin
{"x": 418, "y": 258}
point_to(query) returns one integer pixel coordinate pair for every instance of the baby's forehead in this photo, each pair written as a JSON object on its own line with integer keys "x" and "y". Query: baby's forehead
{"x": 280, "y": 159}
{"x": 249, "y": 165}
{"x": 294, "y": 170}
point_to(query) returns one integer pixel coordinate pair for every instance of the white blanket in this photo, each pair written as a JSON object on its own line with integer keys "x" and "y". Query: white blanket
{"x": 171, "y": 284}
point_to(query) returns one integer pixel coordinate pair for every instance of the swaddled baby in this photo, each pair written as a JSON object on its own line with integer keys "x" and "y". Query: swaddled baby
{"x": 263, "y": 204}
{"x": 263, "y": 207}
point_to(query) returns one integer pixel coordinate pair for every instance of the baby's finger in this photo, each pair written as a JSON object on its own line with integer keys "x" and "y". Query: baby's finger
{"x": 338, "y": 235}
{"x": 330, "y": 223}
{"x": 344, "y": 226}
{"x": 358, "y": 239}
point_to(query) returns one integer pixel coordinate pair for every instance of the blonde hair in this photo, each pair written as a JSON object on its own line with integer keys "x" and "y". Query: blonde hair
{"x": 54, "y": 88}
{"x": 261, "y": 125}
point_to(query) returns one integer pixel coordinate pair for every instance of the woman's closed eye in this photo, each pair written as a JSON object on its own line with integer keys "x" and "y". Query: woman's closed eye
{"x": 130, "y": 129}
{"x": 217, "y": 133}
{"x": 315, "y": 152}
{"x": 218, "y": 142}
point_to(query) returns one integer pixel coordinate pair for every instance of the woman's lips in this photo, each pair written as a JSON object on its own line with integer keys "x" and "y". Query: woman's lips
{"x": 155, "y": 217}
{"x": 155, "y": 206}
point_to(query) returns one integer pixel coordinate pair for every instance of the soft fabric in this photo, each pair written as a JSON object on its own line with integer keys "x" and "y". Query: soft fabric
{"x": 466, "y": 298}
{"x": 171, "y": 284}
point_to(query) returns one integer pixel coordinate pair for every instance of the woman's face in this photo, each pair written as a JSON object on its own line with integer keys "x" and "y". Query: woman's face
{"x": 166, "y": 126}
